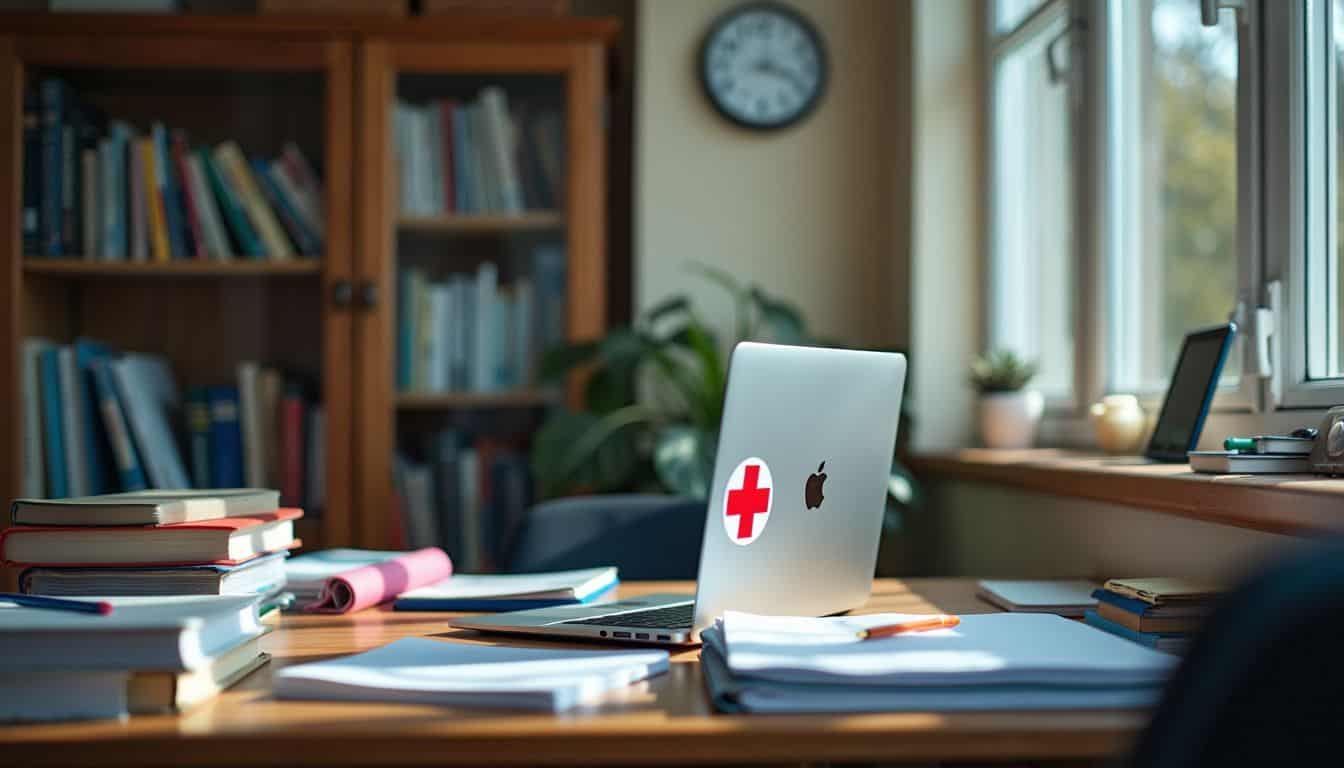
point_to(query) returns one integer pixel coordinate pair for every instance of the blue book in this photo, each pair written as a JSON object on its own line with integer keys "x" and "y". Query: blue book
{"x": 32, "y": 174}
{"x": 305, "y": 240}
{"x": 53, "y": 104}
{"x": 461, "y": 163}
{"x": 98, "y": 449}
{"x": 130, "y": 473}
{"x": 116, "y": 212}
{"x": 226, "y": 439}
{"x": 1130, "y": 604}
{"x": 175, "y": 219}
{"x": 232, "y": 208}
{"x": 493, "y": 605}
{"x": 1167, "y": 642}
{"x": 49, "y": 377}
{"x": 198, "y": 437}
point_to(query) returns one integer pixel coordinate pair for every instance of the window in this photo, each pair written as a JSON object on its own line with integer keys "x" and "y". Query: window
{"x": 1173, "y": 268}
{"x": 1033, "y": 275}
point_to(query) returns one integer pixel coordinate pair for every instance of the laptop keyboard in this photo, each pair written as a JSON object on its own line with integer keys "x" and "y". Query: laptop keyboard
{"x": 668, "y": 617}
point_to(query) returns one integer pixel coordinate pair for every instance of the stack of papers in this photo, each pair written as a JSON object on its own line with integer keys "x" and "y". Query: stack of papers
{"x": 991, "y": 662}
{"x": 423, "y": 671}
{"x": 511, "y": 592}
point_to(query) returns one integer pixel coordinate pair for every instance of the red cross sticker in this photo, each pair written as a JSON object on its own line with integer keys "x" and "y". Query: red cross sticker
{"x": 747, "y": 501}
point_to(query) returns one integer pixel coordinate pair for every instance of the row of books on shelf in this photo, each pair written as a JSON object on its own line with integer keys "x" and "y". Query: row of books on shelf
{"x": 100, "y": 190}
{"x": 97, "y": 421}
{"x": 478, "y": 156}
{"x": 469, "y": 333}
{"x": 467, "y": 497}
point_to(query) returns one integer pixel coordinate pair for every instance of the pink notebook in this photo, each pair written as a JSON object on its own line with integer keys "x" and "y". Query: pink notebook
{"x": 367, "y": 586}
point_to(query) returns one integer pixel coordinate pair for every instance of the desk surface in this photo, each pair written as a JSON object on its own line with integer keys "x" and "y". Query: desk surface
{"x": 665, "y": 720}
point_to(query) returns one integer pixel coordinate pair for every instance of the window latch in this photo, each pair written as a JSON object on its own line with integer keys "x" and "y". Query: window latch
{"x": 1208, "y": 10}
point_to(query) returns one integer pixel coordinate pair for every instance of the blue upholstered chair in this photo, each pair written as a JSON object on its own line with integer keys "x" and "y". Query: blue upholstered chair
{"x": 646, "y": 536}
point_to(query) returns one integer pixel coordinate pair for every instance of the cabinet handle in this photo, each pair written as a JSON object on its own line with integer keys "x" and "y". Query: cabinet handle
{"x": 342, "y": 293}
{"x": 368, "y": 294}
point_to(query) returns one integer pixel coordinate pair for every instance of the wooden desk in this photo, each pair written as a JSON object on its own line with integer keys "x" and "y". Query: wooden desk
{"x": 667, "y": 720}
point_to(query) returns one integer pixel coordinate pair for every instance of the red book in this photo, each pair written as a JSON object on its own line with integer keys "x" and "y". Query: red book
{"x": 446, "y": 156}
{"x": 227, "y": 541}
{"x": 193, "y": 219}
{"x": 291, "y": 449}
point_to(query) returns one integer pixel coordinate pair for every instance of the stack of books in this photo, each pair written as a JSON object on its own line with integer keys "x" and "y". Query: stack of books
{"x": 469, "y": 333}
{"x": 480, "y": 156}
{"x": 1161, "y": 613}
{"x": 161, "y": 543}
{"x": 467, "y": 497}
{"x": 141, "y": 655}
{"x": 100, "y": 190}
{"x": 98, "y": 421}
{"x": 1001, "y": 661}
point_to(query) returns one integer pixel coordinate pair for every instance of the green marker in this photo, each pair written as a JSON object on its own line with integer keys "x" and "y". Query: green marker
{"x": 1239, "y": 444}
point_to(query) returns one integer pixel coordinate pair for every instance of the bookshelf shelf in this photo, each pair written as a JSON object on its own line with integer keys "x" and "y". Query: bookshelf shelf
{"x": 78, "y": 268}
{"x": 437, "y": 401}
{"x": 483, "y": 224}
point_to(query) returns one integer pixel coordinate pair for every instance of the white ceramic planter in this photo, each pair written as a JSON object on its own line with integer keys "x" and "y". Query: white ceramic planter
{"x": 1009, "y": 419}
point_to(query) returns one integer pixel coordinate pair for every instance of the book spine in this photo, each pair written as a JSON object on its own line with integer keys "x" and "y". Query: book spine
{"x": 212, "y": 228}
{"x": 198, "y": 435}
{"x": 146, "y": 390}
{"x": 158, "y": 226}
{"x": 187, "y": 194}
{"x": 269, "y": 385}
{"x": 97, "y": 448}
{"x": 447, "y": 162}
{"x": 31, "y": 217}
{"x": 501, "y": 148}
{"x": 302, "y": 240}
{"x": 405, "y": 305}
{"x": 53, "y": 172}
{"x": 119, "y": 238}
{"x": 254, "y": 464}
{"x": 301, "y": 172}
{"x": 53, "y": 429}
{"x": 226, "y": 439}
{"x": 107, "y": 208}
{"x": 130, "y": 474}
{"x": 483, "y": 367}
{"x": 461, "y": 175}
{"x": 316, "y": 457}
{"x": 298, "y": 200}
{"x": 173, "y": 218}
{"x": 34, "y": 460}
{"x": 139, "y": 212}
{"x": 433, "y": 158}
{"x": 90, "y": 242}
{"x": 248, "y": 242}
{"x": 70, "y": 191}
{"x": 291, "y": 448}
{"x": 72, "y": 424}
{"x": 486, "y": 189}
{"x": 234, "y": 165}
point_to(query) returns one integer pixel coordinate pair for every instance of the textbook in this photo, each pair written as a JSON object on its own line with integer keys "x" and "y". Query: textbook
{"x": 141, "y": 633}
{"x": 259, "y": 576}
{"x": 225, "y": 541}
{"x": 1167, "y": 642}
{"x": 145, "y": 507}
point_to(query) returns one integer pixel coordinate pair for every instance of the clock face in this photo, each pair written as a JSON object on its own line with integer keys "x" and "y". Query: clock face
{"x": 763, "y": 66}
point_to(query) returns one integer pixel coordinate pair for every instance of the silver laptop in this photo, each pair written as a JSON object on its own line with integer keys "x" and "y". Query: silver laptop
{"x": 795, "y": 509}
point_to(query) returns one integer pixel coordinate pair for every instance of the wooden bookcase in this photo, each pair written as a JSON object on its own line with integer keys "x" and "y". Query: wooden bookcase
{"x": 329, "y": 84}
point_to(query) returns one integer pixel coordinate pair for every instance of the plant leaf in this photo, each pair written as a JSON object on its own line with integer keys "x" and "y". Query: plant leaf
{"x": 741, "y": 297}
{"x": 668, "y": 307}
{"x": 579, "y": 449}
{"x": 784, "y": 320}
{"x": 680, "y": 457}
{"x": 561, "y": 359}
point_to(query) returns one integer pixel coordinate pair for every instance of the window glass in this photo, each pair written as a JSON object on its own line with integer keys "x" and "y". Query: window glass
{"x": 1009, "y": 13}
{"x": 1031, "y": 302}
{"x": 1326, "y": 334}
{"x": 1174, "y": 99}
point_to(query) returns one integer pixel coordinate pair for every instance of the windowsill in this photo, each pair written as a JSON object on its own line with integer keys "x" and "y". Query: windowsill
{"x": 1296, "y": 505}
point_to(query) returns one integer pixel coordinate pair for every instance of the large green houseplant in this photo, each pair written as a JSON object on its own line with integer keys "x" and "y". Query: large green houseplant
{"x": 654, "y": 399}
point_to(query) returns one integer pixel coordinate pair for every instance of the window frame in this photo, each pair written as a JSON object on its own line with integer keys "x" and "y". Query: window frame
{"x": 1283, "y": 212}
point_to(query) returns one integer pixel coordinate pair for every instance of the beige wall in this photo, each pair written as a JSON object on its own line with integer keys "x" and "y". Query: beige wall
{"x": 808, "y": 213}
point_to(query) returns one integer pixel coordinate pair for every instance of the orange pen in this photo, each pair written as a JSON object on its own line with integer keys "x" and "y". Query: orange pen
{"x": 919, "y": 625}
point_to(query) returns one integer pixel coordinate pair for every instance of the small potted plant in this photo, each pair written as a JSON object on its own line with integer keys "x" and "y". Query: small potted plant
{"x": 1009, "y": 412}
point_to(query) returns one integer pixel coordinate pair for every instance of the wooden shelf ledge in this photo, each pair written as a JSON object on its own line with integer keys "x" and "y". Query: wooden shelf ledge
{"x": 1297, "y": 505}
{"x": 442, "y": 401}
{"x": 73, "y": 267}
{"x": 529, "y": 221}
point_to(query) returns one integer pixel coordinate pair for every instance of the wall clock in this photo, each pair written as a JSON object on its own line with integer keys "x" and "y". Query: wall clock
{"x": 763, "y": 66}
